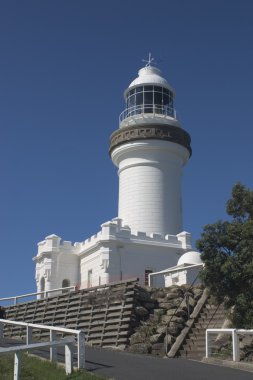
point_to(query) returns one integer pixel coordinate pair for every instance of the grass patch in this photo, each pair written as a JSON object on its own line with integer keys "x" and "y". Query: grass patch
{"x": 33, "y": 368}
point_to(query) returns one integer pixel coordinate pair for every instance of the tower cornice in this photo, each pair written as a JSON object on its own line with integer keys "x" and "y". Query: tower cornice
{"x": 155, "y": 131}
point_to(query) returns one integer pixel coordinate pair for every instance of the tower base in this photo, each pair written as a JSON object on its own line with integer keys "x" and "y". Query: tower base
{"x": 115, "y": 253}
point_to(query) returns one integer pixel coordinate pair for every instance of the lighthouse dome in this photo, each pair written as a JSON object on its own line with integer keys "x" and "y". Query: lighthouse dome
{"x": 149, "y": 75}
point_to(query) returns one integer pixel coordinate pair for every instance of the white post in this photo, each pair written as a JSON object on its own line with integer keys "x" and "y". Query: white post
{"x": 15, "y": 301}
{"x": 68, "y": 359}
{"x": 207, "y": 346}
{"x": 53, "y": 350}
{"x": 17, "y": 365}
{"x": 235, "y": 343}
{"x": 81, "y": 350}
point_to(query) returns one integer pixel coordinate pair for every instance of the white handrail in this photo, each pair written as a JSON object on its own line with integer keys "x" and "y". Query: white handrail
{"x": 235, "y": 340}
{"x": 45, "y": 293}
{"x": 17, "y": 349}
{"x": 52, "y": 329}
{"x": 155, "y": 109}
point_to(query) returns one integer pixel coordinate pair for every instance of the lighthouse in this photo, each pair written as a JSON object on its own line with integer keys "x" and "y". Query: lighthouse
{"x": 150, "y": 149}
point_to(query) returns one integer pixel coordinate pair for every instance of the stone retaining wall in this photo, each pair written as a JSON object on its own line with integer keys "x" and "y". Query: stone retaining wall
{"x": 157, "y": 310}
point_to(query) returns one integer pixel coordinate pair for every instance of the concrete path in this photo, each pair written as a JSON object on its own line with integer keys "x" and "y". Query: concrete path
{"x": 125, "y": 366}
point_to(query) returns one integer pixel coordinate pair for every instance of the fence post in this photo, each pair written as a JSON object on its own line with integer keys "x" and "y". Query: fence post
{"x": 17, "y": 365}
{"x": 235, "y": 342}
{"x": 53, "y": 350}
{"x": 207, "y": 345}
{"x": 81, "y": 350}
{"x": 68, "y": 359}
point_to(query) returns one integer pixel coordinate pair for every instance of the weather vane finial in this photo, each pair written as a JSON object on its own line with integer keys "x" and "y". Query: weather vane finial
{"x": 149, "y": 61}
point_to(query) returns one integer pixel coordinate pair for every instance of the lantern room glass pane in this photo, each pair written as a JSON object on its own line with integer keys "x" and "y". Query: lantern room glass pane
{"x": 148, "y": 97}
{"x": 148, "y": 88}
{"x": 139, "y": 98}
{"x": 158, "y": 98}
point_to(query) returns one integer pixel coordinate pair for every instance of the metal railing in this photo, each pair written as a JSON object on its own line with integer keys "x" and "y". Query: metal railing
{"x": 53, "y": 343}
{"x": 44, "y": 293}
{"x": 235, "y": 340}
{"x": 186, "y": 300}
{"x": 147, "y": 109}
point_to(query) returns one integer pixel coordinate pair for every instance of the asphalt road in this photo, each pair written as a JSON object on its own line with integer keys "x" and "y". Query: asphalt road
{"x": 125, "y": 366}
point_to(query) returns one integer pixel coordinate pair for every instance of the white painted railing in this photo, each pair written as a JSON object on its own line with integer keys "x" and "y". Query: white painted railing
{"x": 235, "y": 340}
{"x": 53, "y": 343}
{"x": 144, "y": 109}
{"x": 44, "y": 293}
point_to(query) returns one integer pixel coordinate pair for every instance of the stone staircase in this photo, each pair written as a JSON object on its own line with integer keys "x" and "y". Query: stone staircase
{"x": 104, "y": 313}
{"x": 211, "y": 316}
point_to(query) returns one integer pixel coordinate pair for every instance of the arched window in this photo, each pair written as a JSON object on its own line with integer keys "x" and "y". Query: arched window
{"x": 65, "y": 284}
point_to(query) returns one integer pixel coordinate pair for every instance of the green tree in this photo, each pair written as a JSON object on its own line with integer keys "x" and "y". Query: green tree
{"x": 227, "y": 250}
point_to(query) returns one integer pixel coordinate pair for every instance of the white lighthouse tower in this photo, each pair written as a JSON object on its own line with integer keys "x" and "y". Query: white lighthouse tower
{"x": 150, "y": 149}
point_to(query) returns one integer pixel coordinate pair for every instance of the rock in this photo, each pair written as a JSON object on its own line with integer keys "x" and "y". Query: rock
{"x": 172, "y": 319}
{"x": 138, "y": 337}
{"x": 171, "y": 312}
{"x": 181, "y": 313}
{"x": 172, "y": 296}
{"x": 141, "y": 311}
{"x": 158, "y": 294}
{"x": 174, "y": 330}
{"x": 191, "y": 301}
{"x": 142, "y": 295}
{"x": 197, "y": 292}
{"x": 142, "y": 348}
{"x": 178, "y": 320}
{"x": 149, "y": 305}
{"x": 161, "y": 329}
{"x": 175, "y": 289}
{"x": 169, "y": 305}
{"x": 159, "y": 312}
{"x": 166, "y": 318}
{"x": 157, "y": 338}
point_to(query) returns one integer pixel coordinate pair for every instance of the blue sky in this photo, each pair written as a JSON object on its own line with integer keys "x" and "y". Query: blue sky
{"x": 63, "y": 68}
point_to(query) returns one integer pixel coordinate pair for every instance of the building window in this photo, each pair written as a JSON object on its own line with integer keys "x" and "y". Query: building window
{"x": 65, "y": 284}
{"x": 42, "y": 286}
{"x": 89, "y": 282}
{"x": 147, "y": 272}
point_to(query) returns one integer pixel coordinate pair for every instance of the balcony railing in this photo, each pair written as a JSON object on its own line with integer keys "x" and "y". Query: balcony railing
{"x": 151, "y": 109}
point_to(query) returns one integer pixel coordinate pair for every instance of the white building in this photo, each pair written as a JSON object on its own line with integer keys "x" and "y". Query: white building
{"x": 149, "y": 149}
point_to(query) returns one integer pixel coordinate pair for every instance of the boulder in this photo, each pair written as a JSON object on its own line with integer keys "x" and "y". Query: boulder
{"x": 161, "y": 329}
{"x": 159, "y": 312}
{"x": 141, "y": 311}
{"x": 149, "y": 305}
{"x": 157, "y": 338}
{"x": 138, "y": 337}
{"x": 141, "y": 348}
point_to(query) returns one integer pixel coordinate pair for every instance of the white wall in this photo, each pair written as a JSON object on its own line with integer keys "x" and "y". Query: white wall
{"x": 150, "y": 185}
